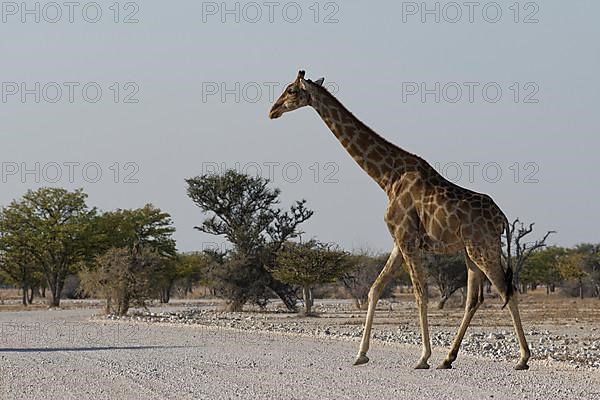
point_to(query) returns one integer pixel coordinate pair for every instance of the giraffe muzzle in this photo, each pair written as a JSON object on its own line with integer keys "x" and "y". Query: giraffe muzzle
{"x": 274, "y": 114}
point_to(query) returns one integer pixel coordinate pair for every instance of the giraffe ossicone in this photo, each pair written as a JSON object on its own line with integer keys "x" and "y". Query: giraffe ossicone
{"x": 425, "y": 212}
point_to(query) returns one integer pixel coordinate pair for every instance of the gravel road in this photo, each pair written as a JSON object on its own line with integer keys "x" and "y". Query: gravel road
{"x": 66, "y": 355}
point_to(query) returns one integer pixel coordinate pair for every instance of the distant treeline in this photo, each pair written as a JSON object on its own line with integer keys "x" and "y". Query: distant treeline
{"x": 53, "y": 245}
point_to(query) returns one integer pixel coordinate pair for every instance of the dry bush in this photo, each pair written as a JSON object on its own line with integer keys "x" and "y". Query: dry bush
{"x": 366, "y": 268}
{"x": 123, "y": 276}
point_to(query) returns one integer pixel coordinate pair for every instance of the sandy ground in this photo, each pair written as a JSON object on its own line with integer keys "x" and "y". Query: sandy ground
{"x": 64, "y": 354}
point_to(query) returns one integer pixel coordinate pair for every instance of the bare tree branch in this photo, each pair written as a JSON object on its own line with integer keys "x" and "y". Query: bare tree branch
{"x": 517, "y": 234}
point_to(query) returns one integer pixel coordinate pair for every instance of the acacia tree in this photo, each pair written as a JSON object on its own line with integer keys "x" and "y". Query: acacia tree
{"x": 244, "y": 210}
{"x": 517, "y": 233}
{"x": 448, "y": 273}
{"x": 192, "y": 269}
{"x": 147, "y": 226}
{"x": 22, "y": 272}
{"x": 571, "y": 268}
{"x": 308, "y": 264}
{"x": 590, "y": 264}
{"x": 364, "y": 269}
{"x": 241, "y": 279}
{"x": 133, "y": 239}
{"x": 581, "y": 266}
{"x": 53, "y": 228}
{"x": 542, "y": 268}
{"x": 123, "y": 277}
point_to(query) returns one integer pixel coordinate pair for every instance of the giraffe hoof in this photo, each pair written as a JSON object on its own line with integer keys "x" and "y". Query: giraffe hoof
{"x": 422, "y": 365}
{"x": 522, "y": 366}
{"x": 445, "y": 365}
{"x": 361, "y": 359}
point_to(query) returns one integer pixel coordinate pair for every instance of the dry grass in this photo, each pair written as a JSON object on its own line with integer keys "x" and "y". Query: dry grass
{"x": 9, "y": 294}
{"x": 536, "y": 307}
{"x": 10, "y": 300}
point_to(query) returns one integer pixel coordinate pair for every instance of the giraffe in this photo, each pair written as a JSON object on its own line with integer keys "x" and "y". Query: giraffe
{"x": 425, "y": 212}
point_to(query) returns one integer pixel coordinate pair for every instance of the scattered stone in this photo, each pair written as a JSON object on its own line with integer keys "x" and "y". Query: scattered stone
{"x": 577, "y": 352}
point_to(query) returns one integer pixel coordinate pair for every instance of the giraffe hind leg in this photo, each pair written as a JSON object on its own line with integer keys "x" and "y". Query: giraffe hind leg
{"x": 474, "y": 300}
{"x": 489, "y": 263}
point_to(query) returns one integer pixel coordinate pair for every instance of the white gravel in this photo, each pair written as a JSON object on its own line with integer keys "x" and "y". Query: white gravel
{"x": 578, "y": 351}
{"x": 65, "y": 354}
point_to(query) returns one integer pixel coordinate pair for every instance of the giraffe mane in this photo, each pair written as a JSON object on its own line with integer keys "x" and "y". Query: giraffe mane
{"x": 332, "y": 97}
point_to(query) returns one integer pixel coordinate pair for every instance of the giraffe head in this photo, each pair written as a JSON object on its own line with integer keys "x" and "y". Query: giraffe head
{"x": 296, "y": 95}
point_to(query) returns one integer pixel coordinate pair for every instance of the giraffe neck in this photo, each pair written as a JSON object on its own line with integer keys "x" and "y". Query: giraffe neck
{"x": 380, "y": 159}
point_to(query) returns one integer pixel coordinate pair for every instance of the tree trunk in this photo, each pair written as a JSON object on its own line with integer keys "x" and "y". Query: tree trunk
{"x": 308, "y": 299}
{"x": 24, "y": 297}
{"x": 285, "y": 292}
{"x": 31, "y": 293}
{"x": 523, "y": 287}
{"x": 55, "y": 298}
{"x": 55, "y": 289}
{"x": 165, "y": 295}
{"x": 107, "y": 309}
{"x": 61, "y": 284}
{"x": 123, "y": 305}
{"x": 581, "y": 289}
{"x": 54, "y": 301}
{"x": 235, "y": 306}
{"x": 442, "y": 302}
{"x": 360, "y": 304}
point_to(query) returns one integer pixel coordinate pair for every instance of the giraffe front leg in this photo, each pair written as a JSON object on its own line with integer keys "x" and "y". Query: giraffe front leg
{"x": 419, "y": 282}
{"x": 422, "y": 308}
{"x": 378, "y": 286}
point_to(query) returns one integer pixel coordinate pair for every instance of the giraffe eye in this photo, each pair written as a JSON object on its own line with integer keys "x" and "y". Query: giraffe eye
{"x": 292, "y": 91}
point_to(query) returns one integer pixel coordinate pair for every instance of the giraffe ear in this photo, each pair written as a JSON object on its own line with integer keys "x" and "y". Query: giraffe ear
{"x": 320, "y": 81}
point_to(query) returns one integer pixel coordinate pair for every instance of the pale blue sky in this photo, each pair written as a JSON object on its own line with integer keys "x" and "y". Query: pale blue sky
{"x": 175, "y": 53}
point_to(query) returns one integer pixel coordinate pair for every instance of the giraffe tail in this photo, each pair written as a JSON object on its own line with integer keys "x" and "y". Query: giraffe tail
{"x": 509, "y": 271}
